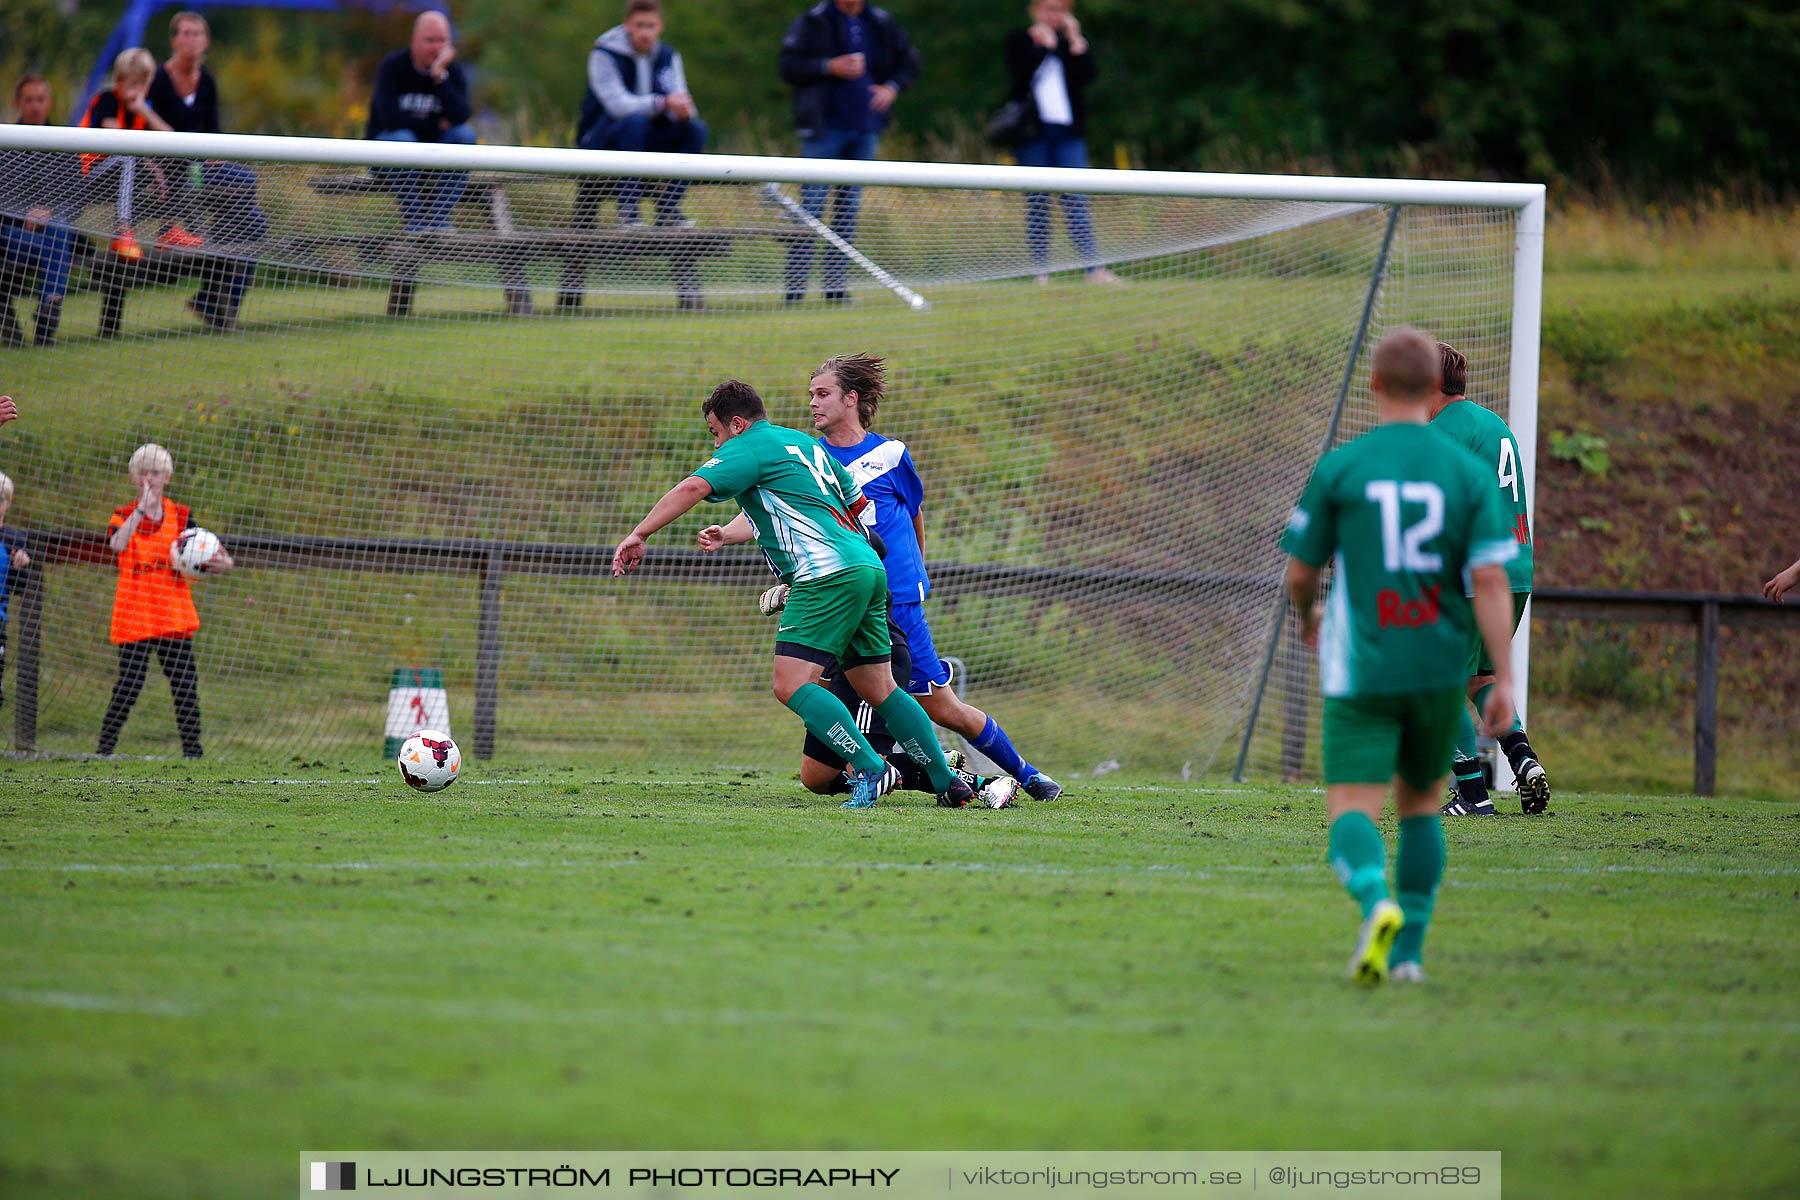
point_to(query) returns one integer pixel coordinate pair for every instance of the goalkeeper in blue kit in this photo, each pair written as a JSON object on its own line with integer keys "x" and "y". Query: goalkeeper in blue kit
{"x": 805, "y": 507}
{"x": 1401, "y": 514}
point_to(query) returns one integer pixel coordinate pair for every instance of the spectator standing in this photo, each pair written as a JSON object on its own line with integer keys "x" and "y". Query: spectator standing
{"x": 1050, "y": 65}
{"x": 124, "y": 106}
{"x": 39, "y": 197}
{"x": 422, "y": 95}
{"x": 153, "y": 606}
{"x": 185, "y": 95}
{"x": 13, "y": 559}
{"x": 637, "y": 99}
{"x": 847, "y": 62}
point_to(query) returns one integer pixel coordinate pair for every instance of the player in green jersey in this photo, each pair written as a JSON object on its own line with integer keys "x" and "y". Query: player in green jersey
{"x": 1489, "y": 439}
{"x": 804, "y": 506}
{"x": 1401, "y": 517}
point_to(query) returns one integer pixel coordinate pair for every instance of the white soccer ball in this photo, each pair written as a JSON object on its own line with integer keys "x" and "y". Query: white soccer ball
{"x": 193, "y": 548}
{"x": 429, "y": 761}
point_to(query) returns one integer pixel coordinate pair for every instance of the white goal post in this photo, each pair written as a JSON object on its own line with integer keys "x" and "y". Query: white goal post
{"x": 1238, "y": 285}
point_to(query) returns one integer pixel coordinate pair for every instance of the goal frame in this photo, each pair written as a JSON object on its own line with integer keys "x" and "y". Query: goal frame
{"x": 1527, "y": 200}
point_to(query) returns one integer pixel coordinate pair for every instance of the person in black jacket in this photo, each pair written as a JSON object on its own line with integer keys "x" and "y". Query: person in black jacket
{"x": 847, "y": 63}
{"x": 1050, "y": 66}
{"x": 185, "y": 95}
{"x": 422, "y": 95}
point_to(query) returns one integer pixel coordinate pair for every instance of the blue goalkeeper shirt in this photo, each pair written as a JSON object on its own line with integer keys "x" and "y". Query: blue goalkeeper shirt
{"x": 883, "y": 470}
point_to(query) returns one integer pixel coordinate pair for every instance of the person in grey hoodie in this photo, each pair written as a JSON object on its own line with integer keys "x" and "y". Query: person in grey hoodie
{"x": 637, "y": 99}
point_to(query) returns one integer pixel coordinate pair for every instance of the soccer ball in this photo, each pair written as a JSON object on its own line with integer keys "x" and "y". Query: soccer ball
{"x": 194, "y": 547}
{"x": 429, "y": 761}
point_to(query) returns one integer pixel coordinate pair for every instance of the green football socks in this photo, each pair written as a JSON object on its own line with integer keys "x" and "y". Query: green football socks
{"x": 913, "y": 730}
{"x": 1418, "y": 866}
{"x": 1481, "y": 695}
{"x": 1360, "y": 859}
{"x": 828, "y": 720}
{"x": 1466, "y": 747}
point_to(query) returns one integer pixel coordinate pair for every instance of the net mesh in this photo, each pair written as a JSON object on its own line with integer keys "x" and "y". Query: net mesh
{"x": 421, "y": 409}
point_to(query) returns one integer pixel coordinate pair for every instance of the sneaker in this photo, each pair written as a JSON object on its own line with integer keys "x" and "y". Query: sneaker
{"x": 865, "y": 788}
{"x": 1102, "y": 275}
{"x": 998, "y": 792}
{"x": 1534, "y": 786}
{"x": 1406, "y": 972}
{"x": 1459, "y": 807}
{"x": 1042, "y": 787}
{"x": 211, "y": 316}
{"x": 126, "y": 245}
{"x": 1369, "y": 965}
{"x": 177, "y": 238}
{"x": 957, "y": 795}
{"x": 675, "y": 221}
{"x": 959, "y": 762}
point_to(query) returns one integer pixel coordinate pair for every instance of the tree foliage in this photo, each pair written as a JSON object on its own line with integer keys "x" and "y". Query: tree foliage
{"x": 1660, "y": 94}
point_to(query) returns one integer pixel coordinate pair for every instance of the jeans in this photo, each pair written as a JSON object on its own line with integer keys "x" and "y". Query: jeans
{"x": 228, "y": 193}
{"x": 846, "y": 203}
{"x": 49, "y": 251}
{"x": 1057, "y": 146}
{"x": 177, "y": 656}
{"x": 645, "y": 132}
{"x": 417, "y": 212}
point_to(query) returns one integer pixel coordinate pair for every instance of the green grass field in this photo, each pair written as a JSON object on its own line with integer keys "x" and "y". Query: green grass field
{"x": 204, "y": 972}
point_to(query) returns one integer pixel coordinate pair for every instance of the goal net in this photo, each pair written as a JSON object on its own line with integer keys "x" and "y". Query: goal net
{"x": 421, "y": 406}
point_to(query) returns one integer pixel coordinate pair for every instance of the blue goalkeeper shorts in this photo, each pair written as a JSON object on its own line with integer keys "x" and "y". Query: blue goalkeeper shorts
{"x": 928, "y": 670}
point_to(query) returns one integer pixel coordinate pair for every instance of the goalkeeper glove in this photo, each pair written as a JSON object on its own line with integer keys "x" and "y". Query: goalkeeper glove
{"x": 773, "y": 600}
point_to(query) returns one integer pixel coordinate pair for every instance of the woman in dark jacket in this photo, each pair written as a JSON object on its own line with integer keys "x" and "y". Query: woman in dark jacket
{"x": 185, "y": 95}
{"x": 1050, "y": 66}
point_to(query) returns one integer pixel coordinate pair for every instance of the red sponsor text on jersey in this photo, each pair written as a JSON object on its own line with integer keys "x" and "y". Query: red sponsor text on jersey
{"x": 1391, "y": 609}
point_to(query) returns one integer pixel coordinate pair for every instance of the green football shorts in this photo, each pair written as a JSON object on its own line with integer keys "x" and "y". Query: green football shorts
{"x": 1370, "y": 739}
{"x": 845, "y": 615}
{"x": 1479, "y": 662}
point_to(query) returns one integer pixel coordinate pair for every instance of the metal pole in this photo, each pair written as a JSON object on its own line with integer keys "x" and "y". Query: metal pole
{"x": 1337, "y": 414}
{"x": 1522, "y": 416}
{"x": 829, "y": 236}
{"x": 740, "y": 168}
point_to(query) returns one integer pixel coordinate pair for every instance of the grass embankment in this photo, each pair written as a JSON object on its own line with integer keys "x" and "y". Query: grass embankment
{"x": 1670, "y": 351}
{"x": 1669, "y": 427}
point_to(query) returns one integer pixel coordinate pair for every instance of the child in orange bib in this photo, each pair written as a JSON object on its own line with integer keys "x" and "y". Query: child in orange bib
{"x": 153, "y": 605}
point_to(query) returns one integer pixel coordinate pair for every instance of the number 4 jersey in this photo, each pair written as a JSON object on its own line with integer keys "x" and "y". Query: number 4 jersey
{"x": 1491, "y": 440}
{"x": 1403, "y": 514}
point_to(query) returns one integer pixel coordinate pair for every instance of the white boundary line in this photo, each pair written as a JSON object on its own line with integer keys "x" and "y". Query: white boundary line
{"x": 515, "y": 1011}
{"x": 1185, "y": 870}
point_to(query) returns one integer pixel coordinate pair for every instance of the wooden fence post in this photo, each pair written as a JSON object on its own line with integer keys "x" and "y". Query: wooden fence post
{"x": 487, "y": 654}
{"x": 28, "y": 622}
{"x": 1706, "y": 699}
